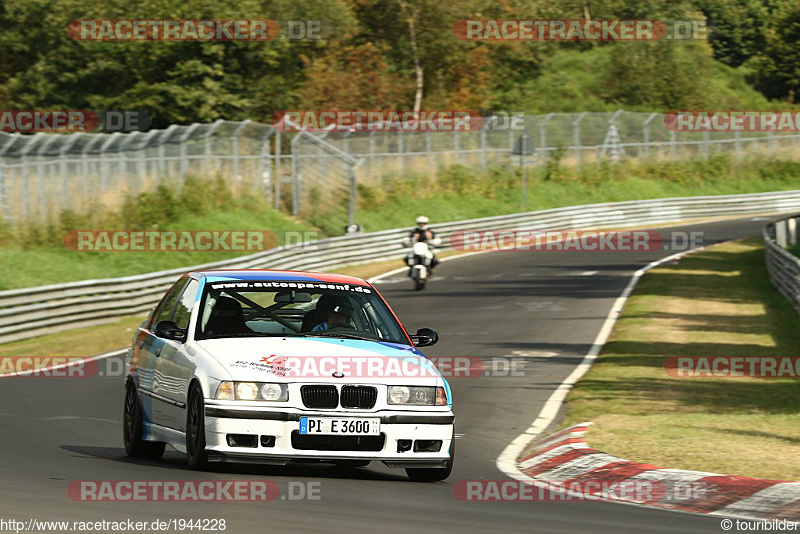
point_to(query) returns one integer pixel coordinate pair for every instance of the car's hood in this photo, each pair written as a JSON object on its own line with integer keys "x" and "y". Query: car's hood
{"x": 321, "y": 360}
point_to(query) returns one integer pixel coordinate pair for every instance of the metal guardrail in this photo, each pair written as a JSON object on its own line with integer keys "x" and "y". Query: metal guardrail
{"x": 783, "y": 267}
{"x": 31, "y": 312}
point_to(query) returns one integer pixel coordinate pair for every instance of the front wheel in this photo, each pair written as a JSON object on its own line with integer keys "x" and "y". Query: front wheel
{"x": 133, "y": 428}
{"x": 419, "y": 284}
{"x": 435, "y": 474}
{"x": 196, "y": 454}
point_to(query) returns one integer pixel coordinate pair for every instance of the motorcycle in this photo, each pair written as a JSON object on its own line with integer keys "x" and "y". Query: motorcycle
{"x": 419, "y": 262}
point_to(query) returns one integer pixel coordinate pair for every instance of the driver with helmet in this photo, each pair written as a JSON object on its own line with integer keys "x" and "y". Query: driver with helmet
{"x": 335, "y": 310}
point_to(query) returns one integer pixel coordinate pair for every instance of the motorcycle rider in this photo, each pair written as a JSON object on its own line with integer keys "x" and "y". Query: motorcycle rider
{"x": 422, "y": 233}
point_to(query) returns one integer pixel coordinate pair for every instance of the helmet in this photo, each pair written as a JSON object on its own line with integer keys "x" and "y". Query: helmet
{"x": 335, "y": 303}
{"x": 422, "y": 220}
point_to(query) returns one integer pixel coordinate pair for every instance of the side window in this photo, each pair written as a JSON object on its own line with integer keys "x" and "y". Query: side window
{"x": 183, "y": 311}
{"x": 164, "y": 311}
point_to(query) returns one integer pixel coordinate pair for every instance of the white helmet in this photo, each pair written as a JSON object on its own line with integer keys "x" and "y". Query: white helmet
{"x": 422, "y": 220}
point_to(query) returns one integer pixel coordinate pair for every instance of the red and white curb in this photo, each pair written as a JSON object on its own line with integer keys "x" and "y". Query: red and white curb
{"x": 566, "y": 459}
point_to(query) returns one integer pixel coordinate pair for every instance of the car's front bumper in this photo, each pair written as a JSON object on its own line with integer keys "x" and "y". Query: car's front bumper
{"x": 221, "y": 421}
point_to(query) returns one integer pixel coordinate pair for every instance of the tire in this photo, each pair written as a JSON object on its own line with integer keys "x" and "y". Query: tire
{"x": 433, "y": 474}
{"x": 133, "y": 428}
{"x": 196, "y": 455}
{"x": 419, "y": 284}
{"x": 350, "y": 464}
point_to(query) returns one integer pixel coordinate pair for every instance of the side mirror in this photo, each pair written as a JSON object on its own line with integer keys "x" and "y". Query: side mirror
{"x": 170, "y": 330}
{"x": 425, "y": 337}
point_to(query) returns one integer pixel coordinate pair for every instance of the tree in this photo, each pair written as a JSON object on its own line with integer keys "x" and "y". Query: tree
{"x": 738, "y": 28}
{"x": 354, "y": 77}
{"x": 778, "y": 68}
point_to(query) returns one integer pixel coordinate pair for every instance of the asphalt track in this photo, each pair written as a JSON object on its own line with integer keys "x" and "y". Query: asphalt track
{"x": 545, "y": 308}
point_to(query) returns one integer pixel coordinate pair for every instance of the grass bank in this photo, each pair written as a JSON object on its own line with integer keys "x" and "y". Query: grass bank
{"x": 717, "y": 302}
{"x": 37, "y": 255}
{"x": 463, "y": 193}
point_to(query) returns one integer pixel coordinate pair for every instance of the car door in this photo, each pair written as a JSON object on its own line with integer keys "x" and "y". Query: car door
{"x": 148, "y": 348}
{"x": 174, "y": 366}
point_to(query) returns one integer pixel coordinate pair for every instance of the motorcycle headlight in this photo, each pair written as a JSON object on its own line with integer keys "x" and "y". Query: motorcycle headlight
{"x": 414, "y": 395}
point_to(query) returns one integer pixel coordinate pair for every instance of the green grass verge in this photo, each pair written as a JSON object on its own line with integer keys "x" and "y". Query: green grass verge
{"x": 717, "y": 302}
{"x": 35, "y": 266}
{"x": 36, "y": 256}
{"x": 465, "y": 193}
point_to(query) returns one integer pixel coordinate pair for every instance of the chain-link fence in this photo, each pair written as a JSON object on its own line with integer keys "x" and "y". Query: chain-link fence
{"x": 323, "y": 183}
{"x": 572, "y": 138}
{"x": 316, "y": 175}
{"x": 44, "y": 174}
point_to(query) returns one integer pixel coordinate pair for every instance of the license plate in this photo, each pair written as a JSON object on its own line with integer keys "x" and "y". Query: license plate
{"x": 340, "y": 427}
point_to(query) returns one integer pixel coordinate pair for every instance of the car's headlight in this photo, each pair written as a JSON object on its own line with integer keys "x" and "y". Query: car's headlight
{"x": 417, "y": 395}
{"x": 252, "y": 391}
{"x": 246, "y": 391}
{"x": 274, "y": 392}
{"x": 225, "y": 391}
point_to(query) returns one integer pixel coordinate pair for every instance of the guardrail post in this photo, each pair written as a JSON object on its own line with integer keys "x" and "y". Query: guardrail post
{"x": 295, "y": 185}
{"x": 792, "y": 231}
{"x": 237, "y": 176}
{"x": 265, "y": 165}
{"x": 400, "y": 151}
{"x": 278, "y": 170}
{"x": 576, "y": 138}
{"x": 523, "y": 148}
{"x": 429, "y": 151}
{"x": 672, "y": 145}
{"x": 372, "y": 154}
{"x": 484, "y": 161}
{"x": 351, "y": 207}
{"x": 4, "y": 192}
{"x": 646, "y": 134}
{"x": 543, "y": 138}
{"x": 25, "y": 188}
{"x": 780, "y": 233}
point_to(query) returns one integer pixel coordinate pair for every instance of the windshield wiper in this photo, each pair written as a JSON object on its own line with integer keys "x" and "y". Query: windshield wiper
{"x": 242, "y": 334}
{"x": 344, "y": 335}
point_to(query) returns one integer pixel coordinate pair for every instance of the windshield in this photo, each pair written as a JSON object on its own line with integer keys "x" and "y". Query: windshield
{"x": 295, "y": 309}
